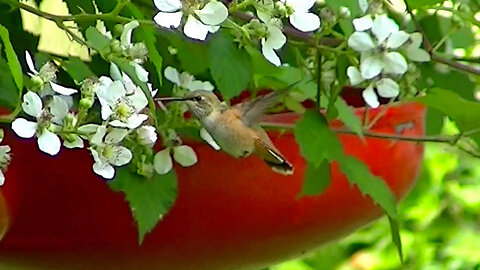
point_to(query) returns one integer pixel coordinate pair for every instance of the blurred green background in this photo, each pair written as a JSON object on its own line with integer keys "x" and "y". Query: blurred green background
{"x": 440, "y": 223}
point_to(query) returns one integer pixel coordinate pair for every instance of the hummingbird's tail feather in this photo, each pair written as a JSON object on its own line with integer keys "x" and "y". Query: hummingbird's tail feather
{"x": 284, "y": 168}
{"x": 272, "y": 157}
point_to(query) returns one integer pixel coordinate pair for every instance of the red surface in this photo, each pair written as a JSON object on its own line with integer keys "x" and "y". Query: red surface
{"x": 230, "y": 213}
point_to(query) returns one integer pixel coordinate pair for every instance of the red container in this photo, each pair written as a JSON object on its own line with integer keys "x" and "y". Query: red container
{"x": 230, "y": 213}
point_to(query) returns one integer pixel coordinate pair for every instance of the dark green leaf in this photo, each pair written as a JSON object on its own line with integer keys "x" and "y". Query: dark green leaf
{"x": 149, "y": 199}
{"x": 453, "y": 80}
{"x": 12, "y": 60}
{"x": 8, "y": 90}
{"x": 192, "y": 55}
{"x": 77, "y": 69}
{"x": 97, "y": 41}
{"x": 434, "y": 121}
{"x": 230, "y": 66}
{"x": 395, "y": 232}
{"x": 318, "y": 142}
{"x": 413, "y": 4}
{"x": 348, "y": 117}
{"x": 317, "y": 178}
{"x": 148, "y": 37}
{"x": 465, "y": 113}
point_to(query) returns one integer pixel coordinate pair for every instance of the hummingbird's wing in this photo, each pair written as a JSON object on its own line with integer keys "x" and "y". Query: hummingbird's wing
{"x": 253, "y": 110}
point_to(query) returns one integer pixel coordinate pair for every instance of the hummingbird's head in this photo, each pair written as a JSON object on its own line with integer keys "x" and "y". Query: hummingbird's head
{"x": 202, "y": 103}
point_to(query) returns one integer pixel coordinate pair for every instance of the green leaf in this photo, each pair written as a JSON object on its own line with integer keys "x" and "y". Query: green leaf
{"x": 12, "y": 60}
{"x": 348, "y": 117}
{"x": 77, "y": 69}
{"x": 8, "y": 90}
{"x": 395, "y": 232}
{"x": 317, "y": 178}
{"x": 149, "y": 199}
{"x": 453, "y": 80}
{"x": 97, "y": 41}
{"x": 413, "y": 4}
{"x": 466, "y": 114}
{"x": 148, "y": 37}
{"x": 230, "y": 66}
{"x": 192, "y": 55}
{"x": 318, "y": 142}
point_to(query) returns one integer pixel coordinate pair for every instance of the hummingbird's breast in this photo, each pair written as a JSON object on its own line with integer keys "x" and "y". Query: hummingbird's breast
{"x": 231, "y": 133}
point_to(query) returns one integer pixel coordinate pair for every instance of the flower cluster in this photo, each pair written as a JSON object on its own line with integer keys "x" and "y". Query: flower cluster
{"x": 4, "y": 158}
{"x": 382, "y": 47}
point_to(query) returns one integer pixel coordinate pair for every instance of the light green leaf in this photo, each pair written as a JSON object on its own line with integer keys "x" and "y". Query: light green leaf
{"x": 77, "y": 69}
{"x": 395, "y": 231}
{"x": 12, "y": 60}
{"x": 317, "y": 178}
{"x": 349, "y": 118}
{"x": 97, "y": 41}
{"x": 413, "y": 4}
{"x": 466, "y": 114}
{"x": 8, "y": 91}
{"x": 230, "y": 67}
{"x": 148, "y": 36}
{"x": 149, "y": 199}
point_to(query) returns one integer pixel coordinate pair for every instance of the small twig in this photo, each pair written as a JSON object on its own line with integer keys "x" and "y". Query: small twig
{"x": 426, "y": 42}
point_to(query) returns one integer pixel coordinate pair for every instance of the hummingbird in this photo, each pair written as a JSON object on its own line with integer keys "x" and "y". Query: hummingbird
{"x": 236, "y": 128}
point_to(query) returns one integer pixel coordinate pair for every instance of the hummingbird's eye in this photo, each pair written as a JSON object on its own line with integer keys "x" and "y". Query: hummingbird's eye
{"x": 197, "y": 98}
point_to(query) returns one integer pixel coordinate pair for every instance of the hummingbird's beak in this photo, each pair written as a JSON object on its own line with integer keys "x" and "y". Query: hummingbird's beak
{"x": 171, "y": 99}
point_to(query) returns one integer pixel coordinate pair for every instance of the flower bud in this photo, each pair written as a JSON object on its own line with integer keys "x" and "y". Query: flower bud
{"x": 115, "y": 46}
{"x": 118, "y": 30}
{"x": 344, "y": 12}
{"x": 86, "y": 103}
{"x": 37, "y": 82}
{"x": 89, "y": 85}
{"x": 146, "y": 135}
{"x": 282, "y": 10}
{"x": 70, "y": 120}
{"x": 138, "y": 52}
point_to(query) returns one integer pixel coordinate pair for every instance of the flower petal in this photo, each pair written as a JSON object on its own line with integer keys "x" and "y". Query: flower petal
{"x": 49, "y": 142}
{"x": 114, "y": 73}
{"x": 97, "y": 138}
{"x": 354, "y": 75}
{"x": 116, "y": 135}
{"x": 30, "y": 64}
{"x": 370, "y": 97}
{"x": 136, "y": 120}
{"x": 62, "y": 90}
{"x": 363, "y": 23}
{"x": 271, "y": 56}
{"x": 162, "y": 162}
{"x": 32, "y": 104}
{"x": 112, "y": 93}
{"x": 76, "y": 143}
{"x": 209, "y": 139}
{"x": 122, "y": 156}
{"x": 126, "y": 36}
{"x": 275, "y": 39}
{"x": 138, "y": 100}
{"x": 416, "y": 40}
{"x": 195, "y": 29}
{"x": 371, "y": 66}
{"x": 172, "y": 75}
{"x": 213, "y": 13}
{"x": 104, "y": 169}
{"x": 300, "y": 5}
{"x": 305, "y": 22}
{"x": 395, "y": 63}
{"x": 397, "y": 39}
{"x": 363, "y": 5}
{"x": 168, "y": 5}
{"x": 59, "y": 109}
{"x": 418, "y": 55}
{"x": 142, "y": 74}
{"x": 361, "y": 42}
{"x": 169, "y": 20}
{"x": 147, "y": 135}
{"x": 383, "y": 27}
{"x": 88, "y": 129}
{"x": 387, "y": 88}
{"x": 184, "y": 155}
{"x": 24, "y": 128}
{"x": 199, "y": 85}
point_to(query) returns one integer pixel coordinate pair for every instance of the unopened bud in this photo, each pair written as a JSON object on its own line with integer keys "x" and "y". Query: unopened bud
{"x": 115, "y": 46}
{"x": 118, "y": 30}
{"x": 86, "y": 103}
{"x": 37, "y": 82}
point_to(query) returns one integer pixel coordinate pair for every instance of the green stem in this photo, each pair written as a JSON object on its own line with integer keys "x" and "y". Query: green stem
{"x": 241, "y": 6}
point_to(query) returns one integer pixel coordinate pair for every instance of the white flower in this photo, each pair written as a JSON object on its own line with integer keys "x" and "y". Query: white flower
{"x": 62, "y": 90}
{"x": 48, "y": 141}
{"x": 386, "y": 87}
{"x": 107, "y": 152}
{"x": 209, "y": 139}
{"x": 126, "y": 36}
{"x": 130, "y": 87}
{"x": 183, "y": 155}
{"x": 185, "y": 80}
{"x": 209, "y": 17}
{"x": 413, "y": 50}
{"x": 376, "y": 57}
{"x": 363, "y": 5}
{"x": 119, "y": 107}
{"x": 301, "y": 18}
{"x": 274, "y": 40}
{"x": 147, "y": 135}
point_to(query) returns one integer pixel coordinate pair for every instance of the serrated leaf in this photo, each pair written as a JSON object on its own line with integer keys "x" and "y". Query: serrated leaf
{"x": 77, "y": 69}
{"x": 317, "y": 178}
{"x": 466, "y": 114}
{"x": 395, "y": 232}
{"x": 318, "y": 142}
{"x": 149, "y": 199}
{"x": 348, "y": 117}
{"x": 96, "y": 40}
{"x": 230, "y": 66}
{"x": 148, "y": 36}
{"x": 12, "y": 59}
